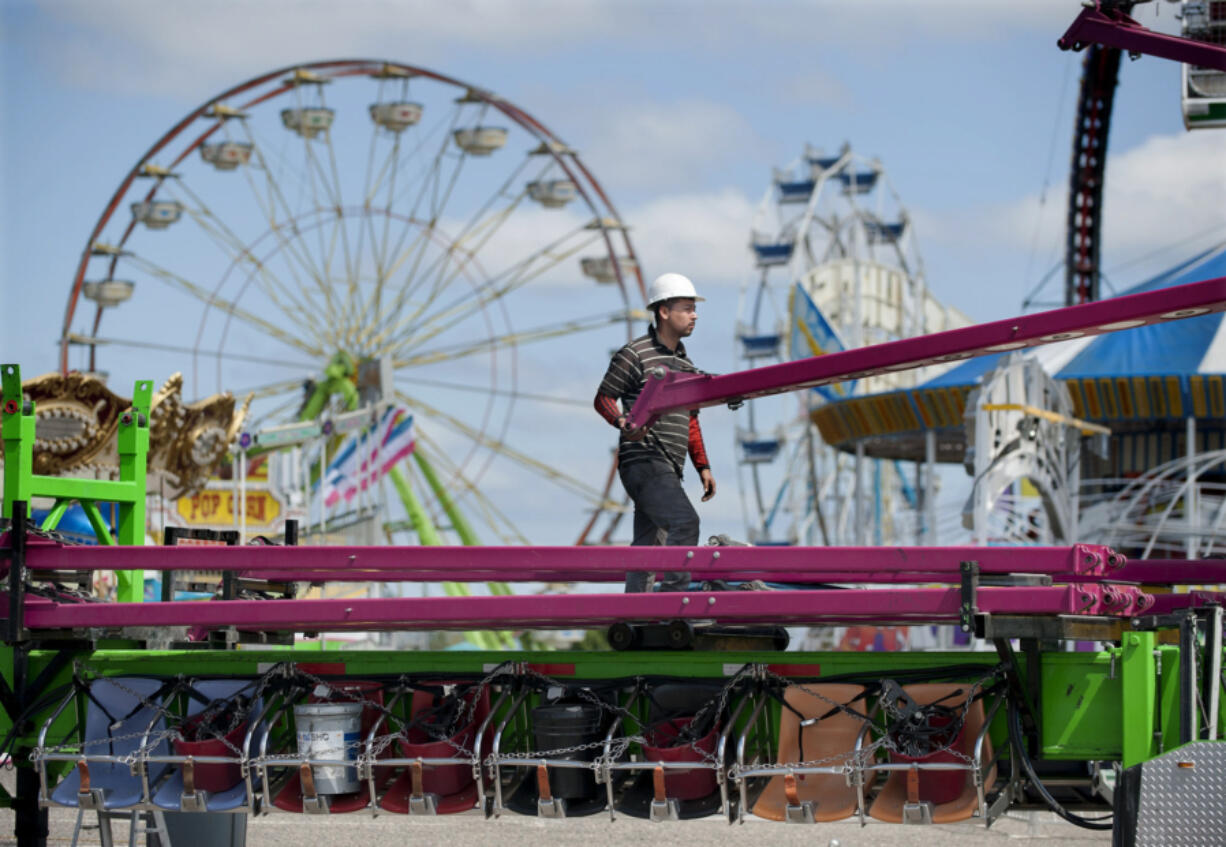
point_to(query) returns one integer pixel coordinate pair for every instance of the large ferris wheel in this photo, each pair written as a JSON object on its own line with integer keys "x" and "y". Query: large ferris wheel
{"x": 836, "y": 265}
{"x": 431, "y": 237}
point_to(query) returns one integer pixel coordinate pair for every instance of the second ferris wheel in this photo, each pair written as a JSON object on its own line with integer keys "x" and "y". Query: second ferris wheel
{"x": 836, "y": 265}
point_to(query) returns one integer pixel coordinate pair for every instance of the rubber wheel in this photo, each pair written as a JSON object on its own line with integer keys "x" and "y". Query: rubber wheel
{"x": 680, "y": 635}
{"x": 781, "y": 639}
{"x": 622, "y": 636}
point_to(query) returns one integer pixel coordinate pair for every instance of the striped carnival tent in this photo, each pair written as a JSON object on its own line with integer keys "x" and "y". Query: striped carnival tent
{"x": 1142, "y": 383}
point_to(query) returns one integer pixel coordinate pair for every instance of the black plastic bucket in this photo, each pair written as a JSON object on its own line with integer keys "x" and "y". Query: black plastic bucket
{"x": 560, "y": 726}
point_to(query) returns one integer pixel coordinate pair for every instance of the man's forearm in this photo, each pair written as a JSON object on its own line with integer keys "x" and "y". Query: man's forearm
{"x": 698, "y": 451}
{"x": 607, "y": 408}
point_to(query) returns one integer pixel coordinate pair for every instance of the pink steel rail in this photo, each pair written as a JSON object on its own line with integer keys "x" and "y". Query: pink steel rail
{"x": 1113, "y": 28}
{"x": 910, "y": 605}
{"x": 1089, "y": 574}
{"x": 667, "y": 391}
{"x": 591, "y": 564}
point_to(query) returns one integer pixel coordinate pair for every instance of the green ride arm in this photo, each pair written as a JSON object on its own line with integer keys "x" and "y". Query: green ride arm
{"x": 467, "y": 537}
{"x": 422, "y": 524}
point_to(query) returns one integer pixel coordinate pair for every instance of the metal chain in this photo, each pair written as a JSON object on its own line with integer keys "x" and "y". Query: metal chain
{"x": 615, "y": 748}
{"x": 157, "y": 737}
{"x": 852, "y": 760}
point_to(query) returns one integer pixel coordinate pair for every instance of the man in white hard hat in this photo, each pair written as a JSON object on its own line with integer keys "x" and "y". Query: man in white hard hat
{"x": 651, "y": 460}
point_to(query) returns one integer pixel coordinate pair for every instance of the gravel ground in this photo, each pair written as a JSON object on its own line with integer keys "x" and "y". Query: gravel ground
{"x": 515, "y": 831}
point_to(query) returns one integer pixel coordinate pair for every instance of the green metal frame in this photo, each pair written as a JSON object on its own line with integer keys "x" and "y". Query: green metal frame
{"x": 127, "y": 492}
{"x": 1092, "y": 706}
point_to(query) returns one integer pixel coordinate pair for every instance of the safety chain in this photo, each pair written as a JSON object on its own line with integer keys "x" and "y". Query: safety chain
{"x": 170, "y": 734}
{"x": 859, "y": 760}
{"x": 613, "y": 749}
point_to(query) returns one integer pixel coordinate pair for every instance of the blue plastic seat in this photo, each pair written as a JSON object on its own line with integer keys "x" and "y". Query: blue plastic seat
{"x": 757, "y": 448}
{"x": 169, "y": 794}
{"x": 861, "y": 182}
{"x": 824, "y": 162}
{"x": 760, "y": 345}
{"x": 114, "y": 711}
{"x": 795, "y": 191}
{"x": 884, "y": 233}
{"x": 773, "y": 254}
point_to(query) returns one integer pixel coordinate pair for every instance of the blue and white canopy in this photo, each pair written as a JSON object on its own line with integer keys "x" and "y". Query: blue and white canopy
{"x": 1143, "y": 383}
{"x": 1192, "y": 346}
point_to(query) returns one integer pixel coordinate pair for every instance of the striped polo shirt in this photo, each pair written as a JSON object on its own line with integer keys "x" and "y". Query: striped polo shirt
{"x": 668, "y": 438}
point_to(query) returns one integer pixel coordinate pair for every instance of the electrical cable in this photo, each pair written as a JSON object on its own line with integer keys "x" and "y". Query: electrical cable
{"x": 1019, "y": 748}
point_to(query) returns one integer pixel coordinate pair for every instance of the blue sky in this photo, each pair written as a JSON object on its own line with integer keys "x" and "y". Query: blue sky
{"x": 680, "y": 108}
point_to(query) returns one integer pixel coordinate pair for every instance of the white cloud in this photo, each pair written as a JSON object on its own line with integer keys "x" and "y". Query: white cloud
{"x": 1160, "y": 193}
{"x": 703, "y": 235}
{"x": 815, "y": 88}
{"x": 189, "y": 49}
{"x": 1166, "y": 189}
{"x": 660, "y": 146}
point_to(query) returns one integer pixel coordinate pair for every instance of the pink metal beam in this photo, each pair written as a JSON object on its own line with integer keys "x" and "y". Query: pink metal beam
{"x": 584, "y": 610}
{"x": 1175, "y": 571}
{"x": 667, "y": 391}
{"x": 533, "y": 563}
{"x": 610, "y": 576}
{"x": 1114, "y": 28}
{"x": 1167, "y": 603}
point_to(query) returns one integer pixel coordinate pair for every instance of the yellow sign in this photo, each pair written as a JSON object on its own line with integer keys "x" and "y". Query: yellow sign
{"x": 216, "y": 508}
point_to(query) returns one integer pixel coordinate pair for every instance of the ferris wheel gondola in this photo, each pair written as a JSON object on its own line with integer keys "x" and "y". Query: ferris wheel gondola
{"x": 380, "y": 213}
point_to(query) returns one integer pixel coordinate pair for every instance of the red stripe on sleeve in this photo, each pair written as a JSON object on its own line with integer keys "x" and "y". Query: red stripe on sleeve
{"x": 606, "y": 406}
{"x": 698, "y": 452}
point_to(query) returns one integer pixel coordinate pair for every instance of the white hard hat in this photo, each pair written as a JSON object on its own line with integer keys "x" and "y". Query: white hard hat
{"x": 670, "y": 285}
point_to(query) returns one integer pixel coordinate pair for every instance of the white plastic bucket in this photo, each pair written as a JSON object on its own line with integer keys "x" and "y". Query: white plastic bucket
{"x": 330, "y": 731}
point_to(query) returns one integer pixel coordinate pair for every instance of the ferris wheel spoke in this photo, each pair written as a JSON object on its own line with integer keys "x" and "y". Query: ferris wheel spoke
{"x": 450, "y": 385}
{"x": 481, "y": 227}
{"x": 377, "y": 246}
{"x": 294, "y": 248}
{"x": 277, "y": 292}
{"x": 213, "y": 300}
{"x": 274, "y": 414}
{"x": 430, "y": 186}
{"x": 326, "y": 249}
{"x": 351, "y": 270}
{"x": 565, "y": 481}
{"x": 393, "y": 169}
{"x": 393, "y": 197}
{"x": 366, "y": 224}
{"x": 272, "y": 389}
{"x": 135, "y": 344}
{"x": 496, "y": 287}
{"x": 502, "y": 283}
{"x": 317, "y": 181}
{"x": 541, "y": 333}
{"x": 493, "y": 517}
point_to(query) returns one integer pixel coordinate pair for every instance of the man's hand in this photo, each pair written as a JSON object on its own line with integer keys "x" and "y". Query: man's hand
{"x": 708, "y": 484}
{"x": 631, "y": 434}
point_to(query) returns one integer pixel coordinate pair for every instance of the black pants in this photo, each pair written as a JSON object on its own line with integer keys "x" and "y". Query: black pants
{"x": 662, "y": 515}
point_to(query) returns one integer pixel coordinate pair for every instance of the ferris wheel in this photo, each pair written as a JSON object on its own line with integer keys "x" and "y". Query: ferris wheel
{"x": 836, "y": 265}
{"x": 431, "y": 239}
